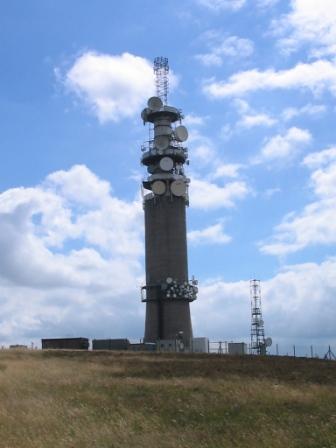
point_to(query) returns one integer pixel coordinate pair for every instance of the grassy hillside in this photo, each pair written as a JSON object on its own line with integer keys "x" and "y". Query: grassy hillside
{"x": 78, "y": 400}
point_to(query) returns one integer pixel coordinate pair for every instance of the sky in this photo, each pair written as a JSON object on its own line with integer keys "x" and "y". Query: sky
{"x": 256, "y": 80}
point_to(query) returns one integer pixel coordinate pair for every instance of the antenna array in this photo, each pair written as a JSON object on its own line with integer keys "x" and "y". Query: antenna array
{"x": 161, "y": 70}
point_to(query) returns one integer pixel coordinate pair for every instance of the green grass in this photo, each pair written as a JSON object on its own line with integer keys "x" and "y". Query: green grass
{"x": 100, "y": 399}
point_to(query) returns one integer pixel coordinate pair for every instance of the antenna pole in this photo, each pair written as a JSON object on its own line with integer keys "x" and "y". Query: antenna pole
{"x": 161, "y": 70}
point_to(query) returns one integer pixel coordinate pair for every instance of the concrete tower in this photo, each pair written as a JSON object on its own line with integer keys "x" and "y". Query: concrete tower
{"x": 168, "y": 291}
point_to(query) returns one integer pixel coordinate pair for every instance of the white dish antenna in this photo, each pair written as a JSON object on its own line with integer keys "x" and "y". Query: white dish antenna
{"x": 158, "y": 187}
{"x": 268, "y": 342}
{"x": 169, "y": 280}
{"x": 178, "y": 188}
{"x": 181, "y": 133}
{"x": 155, "y": 103}
{"x": 166, "y": 164}
{"x": 161, "y": 142}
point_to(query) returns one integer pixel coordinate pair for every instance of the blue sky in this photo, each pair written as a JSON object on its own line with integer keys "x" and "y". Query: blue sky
{"x": 256, "y": 81}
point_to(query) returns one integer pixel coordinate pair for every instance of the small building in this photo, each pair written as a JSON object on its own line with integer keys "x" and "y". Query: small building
{"x": 65, "y": 344}
{"x": 110, "y": 344}
{"x": 18, "y": 347}
{"x": 237, "y": 348}
{"x": 200, "y": 345}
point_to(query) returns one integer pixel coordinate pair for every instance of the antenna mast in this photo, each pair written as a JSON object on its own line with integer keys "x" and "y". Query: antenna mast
{"x": 161, "y": 70}
{"x": 258, "y": 345}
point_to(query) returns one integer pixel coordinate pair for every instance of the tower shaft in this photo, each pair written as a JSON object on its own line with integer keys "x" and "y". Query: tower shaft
{"x": 166, "y": 256}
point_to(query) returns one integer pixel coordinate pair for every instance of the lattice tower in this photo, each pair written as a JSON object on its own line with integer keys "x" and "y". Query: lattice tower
{"x": 258, "y": 346}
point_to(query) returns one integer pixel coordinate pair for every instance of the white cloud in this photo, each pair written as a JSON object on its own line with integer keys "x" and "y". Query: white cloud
{"x": 208, "y": 195}
{"x": 309, "y": 109}
{"x": 316, "y": 223}
{"x": 294, "y": 304}
{"x": 204, "y": 153}
{"x": 113, "y": 86}
{"x": 194, "y": 120}
{"x": 317, "y": 77}
{"x": 205, "y": 192}
{"x": 202, "y": 148}
{"x": 91, "y": 289}
{"x": 221, "y": 47}
{"x": 249, "y": 118}
{"x": 311, "y": 23}
{"x": 318, "y": 159}
{"x": 226, "y": 170}
{"x": 210, "y": 235}
{"x": 78, "y": 184}
{"x": 222, "y": 5}
{"x": 251, "y": 121}
{"x": 284, "y": 147}
{"x": 72, "y": 256}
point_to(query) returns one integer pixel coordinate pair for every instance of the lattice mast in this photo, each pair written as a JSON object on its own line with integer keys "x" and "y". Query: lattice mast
{"x": 258, "y": 345}
{"x": 161, "y": 70}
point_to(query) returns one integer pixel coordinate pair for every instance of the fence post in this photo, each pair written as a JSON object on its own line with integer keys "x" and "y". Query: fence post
{"x": 294, "y": 350}
{"x": 277, "y": 349}
{"x": 311, "y": 351}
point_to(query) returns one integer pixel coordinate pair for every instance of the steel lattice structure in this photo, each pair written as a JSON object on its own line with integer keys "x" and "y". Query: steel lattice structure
{"x": 258, "y": 346}
{"x": 161, "y": 70}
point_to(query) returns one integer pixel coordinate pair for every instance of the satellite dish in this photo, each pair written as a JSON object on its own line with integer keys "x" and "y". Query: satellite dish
{"x": 169, "y": 280}
{"x": 268, "y": 342}
{"x": 155, "y": 103}
{"x": 178, "y": 188}
{"x": 166, "y": 164}
{"x": 181, "y": 133}
{"x": 158, "y": 187}
{"x": 161, "y": 142}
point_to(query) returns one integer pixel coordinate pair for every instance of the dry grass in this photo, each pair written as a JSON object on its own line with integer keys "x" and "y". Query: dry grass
{"x": 113, "y": 400}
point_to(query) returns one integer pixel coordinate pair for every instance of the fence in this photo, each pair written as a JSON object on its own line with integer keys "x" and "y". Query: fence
{"x": 294, "y": 350}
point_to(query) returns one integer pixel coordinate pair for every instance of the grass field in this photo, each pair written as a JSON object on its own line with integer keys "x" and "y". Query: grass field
{"x": 99, "y": 399}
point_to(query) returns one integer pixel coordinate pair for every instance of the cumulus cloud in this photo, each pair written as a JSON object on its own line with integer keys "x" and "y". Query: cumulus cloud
{"x": 71, "y": 249}
{"x": 309, "y": 109}
{"x": 294, "y": 305}
{"x": 284, "y": 146}
{"x": 248, "y": 119}
{"x": 208, "y": 195}
{"x": 316, "y": 223}
{"x": 222, "y": 47}
{"x": 226, "y": 170}
{"x": 318, "y": 159}
{"x": 213, "y": 234}
{"x": 317, "y": 77}
{"x": 194, "y": 120}
{"x": 88, "y": 284}
{"x": 310, "y": 23}
{"x": 112, "y": 86}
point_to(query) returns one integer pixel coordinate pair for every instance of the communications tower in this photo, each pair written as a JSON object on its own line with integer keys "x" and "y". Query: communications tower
{"x": 258, "y": 341}
{"x": 168, "y": 290}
